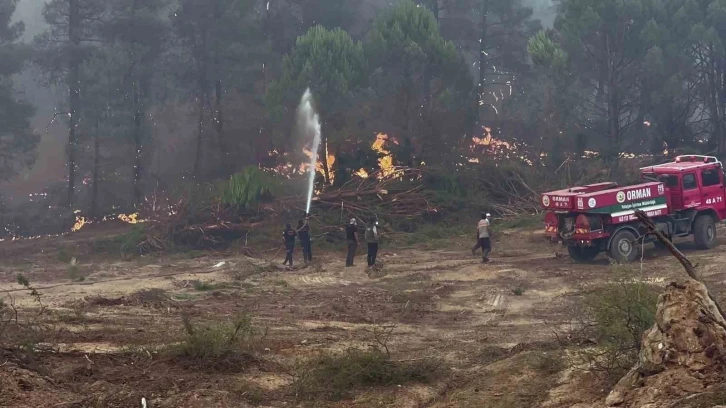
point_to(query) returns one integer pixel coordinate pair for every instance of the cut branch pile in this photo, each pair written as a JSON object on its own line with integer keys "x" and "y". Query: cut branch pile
{"x": 397, "y": 193}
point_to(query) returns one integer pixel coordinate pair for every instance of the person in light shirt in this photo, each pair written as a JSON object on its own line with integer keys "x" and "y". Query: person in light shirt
{"x": 483, "y": 237}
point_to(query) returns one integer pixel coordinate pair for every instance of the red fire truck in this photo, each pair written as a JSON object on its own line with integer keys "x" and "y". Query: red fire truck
{"x": 683, "y": 197}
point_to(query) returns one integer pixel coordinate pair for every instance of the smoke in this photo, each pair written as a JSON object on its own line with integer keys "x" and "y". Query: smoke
{"x": 544, "y": 10}
{"x": 50, "y": 161}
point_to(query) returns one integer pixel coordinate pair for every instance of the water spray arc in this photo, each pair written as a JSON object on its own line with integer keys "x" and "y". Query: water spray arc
{"x": 309, "y": 124}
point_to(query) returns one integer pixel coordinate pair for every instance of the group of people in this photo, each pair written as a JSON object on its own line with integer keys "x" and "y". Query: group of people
{"x": 372, "y": 237}
{"x": 302, "y": 233}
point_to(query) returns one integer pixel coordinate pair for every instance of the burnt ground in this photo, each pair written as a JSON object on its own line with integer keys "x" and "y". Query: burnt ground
{"x": 498, "y": 326}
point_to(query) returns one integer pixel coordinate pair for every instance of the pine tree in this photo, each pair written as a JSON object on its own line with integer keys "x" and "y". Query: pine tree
{"x": 17, "y": 141}
{"x": 62, "y": 50}
{"x": 138, "y": 31}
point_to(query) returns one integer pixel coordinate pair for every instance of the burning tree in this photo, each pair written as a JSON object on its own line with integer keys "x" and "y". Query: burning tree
{"x": 333, "y": 66}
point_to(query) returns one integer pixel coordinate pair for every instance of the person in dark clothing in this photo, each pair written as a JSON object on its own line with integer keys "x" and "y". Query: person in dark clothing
{"x": 288, "y": 237}
{"x": 351, "y": 234}
{"x": 372, "y": 242}
{"x": 303, "y": 234}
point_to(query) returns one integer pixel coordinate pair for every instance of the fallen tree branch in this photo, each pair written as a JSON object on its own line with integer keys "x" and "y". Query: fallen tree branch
{"x": 689, "y": 267}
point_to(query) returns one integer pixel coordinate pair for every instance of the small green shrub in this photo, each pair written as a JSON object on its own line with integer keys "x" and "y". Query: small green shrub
{"x": 74, "y": 271}
{"x": 335, "y": 376}
{"x": 65, "y": 255}
{"x": 518, "y": 291}
{"x": 208, "y": 286}
{"x": 130, "y": 241}
{"x": 615, "y": 316}
{"x": 218, "y": 344}
{"x": 245, "y": 189}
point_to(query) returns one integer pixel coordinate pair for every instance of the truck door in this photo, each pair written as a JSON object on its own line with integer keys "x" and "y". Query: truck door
{"x": 712, "y": 189}
{"x": 690, "y": 191}
{"x": 673, "y": 189}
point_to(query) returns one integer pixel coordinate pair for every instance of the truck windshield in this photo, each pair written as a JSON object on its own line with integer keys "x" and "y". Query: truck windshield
{"x": 669, "y": 181}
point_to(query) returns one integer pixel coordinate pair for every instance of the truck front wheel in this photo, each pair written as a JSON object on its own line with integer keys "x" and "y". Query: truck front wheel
{"x": 704, "y": 232}
{"x": 623, "y": 247}
{"x": 582, "y": 254}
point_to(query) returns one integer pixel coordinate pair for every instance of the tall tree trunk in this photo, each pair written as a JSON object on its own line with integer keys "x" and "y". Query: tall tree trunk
{"x": 138, "y": 146}
{"x": 202, "y": 95}
{"x": 721, "y": 90}
{"x": 219, "y": 125}
{"x": 481, "y": 88}
{"x": 218, "y": 115}
{"x": 74, "y": 97}
{"x": 717, "y": 130}
{"x": 96, "y": 170}
{"x": 200, "y": 134}
{"x": 323, "y": 156}
{"x": 613, "y": 108}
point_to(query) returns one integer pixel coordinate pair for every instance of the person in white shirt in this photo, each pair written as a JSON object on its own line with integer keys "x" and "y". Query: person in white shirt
{"x": 483, "y": 237}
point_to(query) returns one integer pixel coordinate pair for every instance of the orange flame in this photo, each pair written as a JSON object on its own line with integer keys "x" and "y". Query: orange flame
{"x": 319, "y": 165}
{"x": 80, "y": 222}
{"x": 385, "y": 163}
{"x": 130, "y": 218}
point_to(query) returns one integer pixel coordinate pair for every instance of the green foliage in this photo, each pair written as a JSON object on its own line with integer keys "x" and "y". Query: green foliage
{"x": 546, "y": 52}
{"x": 17, "y": 140}
{"x": 329, "y": 62}
{"x": 21, "y": 330}
{"x": 524, "y": 221}
{"x": 247, "y": 188}
{"x": 216, "y": 343}
{"x": 615, "y": 316}
{"x": 422, "y": 85}
{"x": 335, "y": 376}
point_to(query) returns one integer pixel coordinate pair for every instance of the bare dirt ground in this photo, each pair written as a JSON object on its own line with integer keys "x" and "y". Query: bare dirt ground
{"x": 493, "y": 324}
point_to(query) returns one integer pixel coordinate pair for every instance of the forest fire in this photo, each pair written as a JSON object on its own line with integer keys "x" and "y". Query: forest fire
{"x": 385, "y": 163}
{"x": 489, "y": 142}
{"x": 319, "y": 168}
{"x": 130, "y": 218}
{"x": 80, "y": 221}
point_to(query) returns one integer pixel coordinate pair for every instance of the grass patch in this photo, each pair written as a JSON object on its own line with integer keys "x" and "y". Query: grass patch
{"x": 526, "y": 221}
{"x": 518, "y": 291}
{"x": 123, "y": 244}
{"x": 250, "y": 392}
{"x": 546, "y": 363}
{"x": 615, "y": 315}
{"x": 74, "y": 271}
{"x": 184, "y": 296}
{"x": 336, "y": 376}
{"x": 65, "y": 255}
{"x": 218, "y": 345}
{"x": 209, "y": 286}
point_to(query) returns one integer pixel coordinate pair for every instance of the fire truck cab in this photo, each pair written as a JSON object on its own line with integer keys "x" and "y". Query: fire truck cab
{"x": 684, "y": 197}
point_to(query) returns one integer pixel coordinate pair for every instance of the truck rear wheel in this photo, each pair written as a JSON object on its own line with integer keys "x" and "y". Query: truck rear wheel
{"x": 623, "y": 247}
{"x": 704, "y": 232}
{"x": 582, "y": 254}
